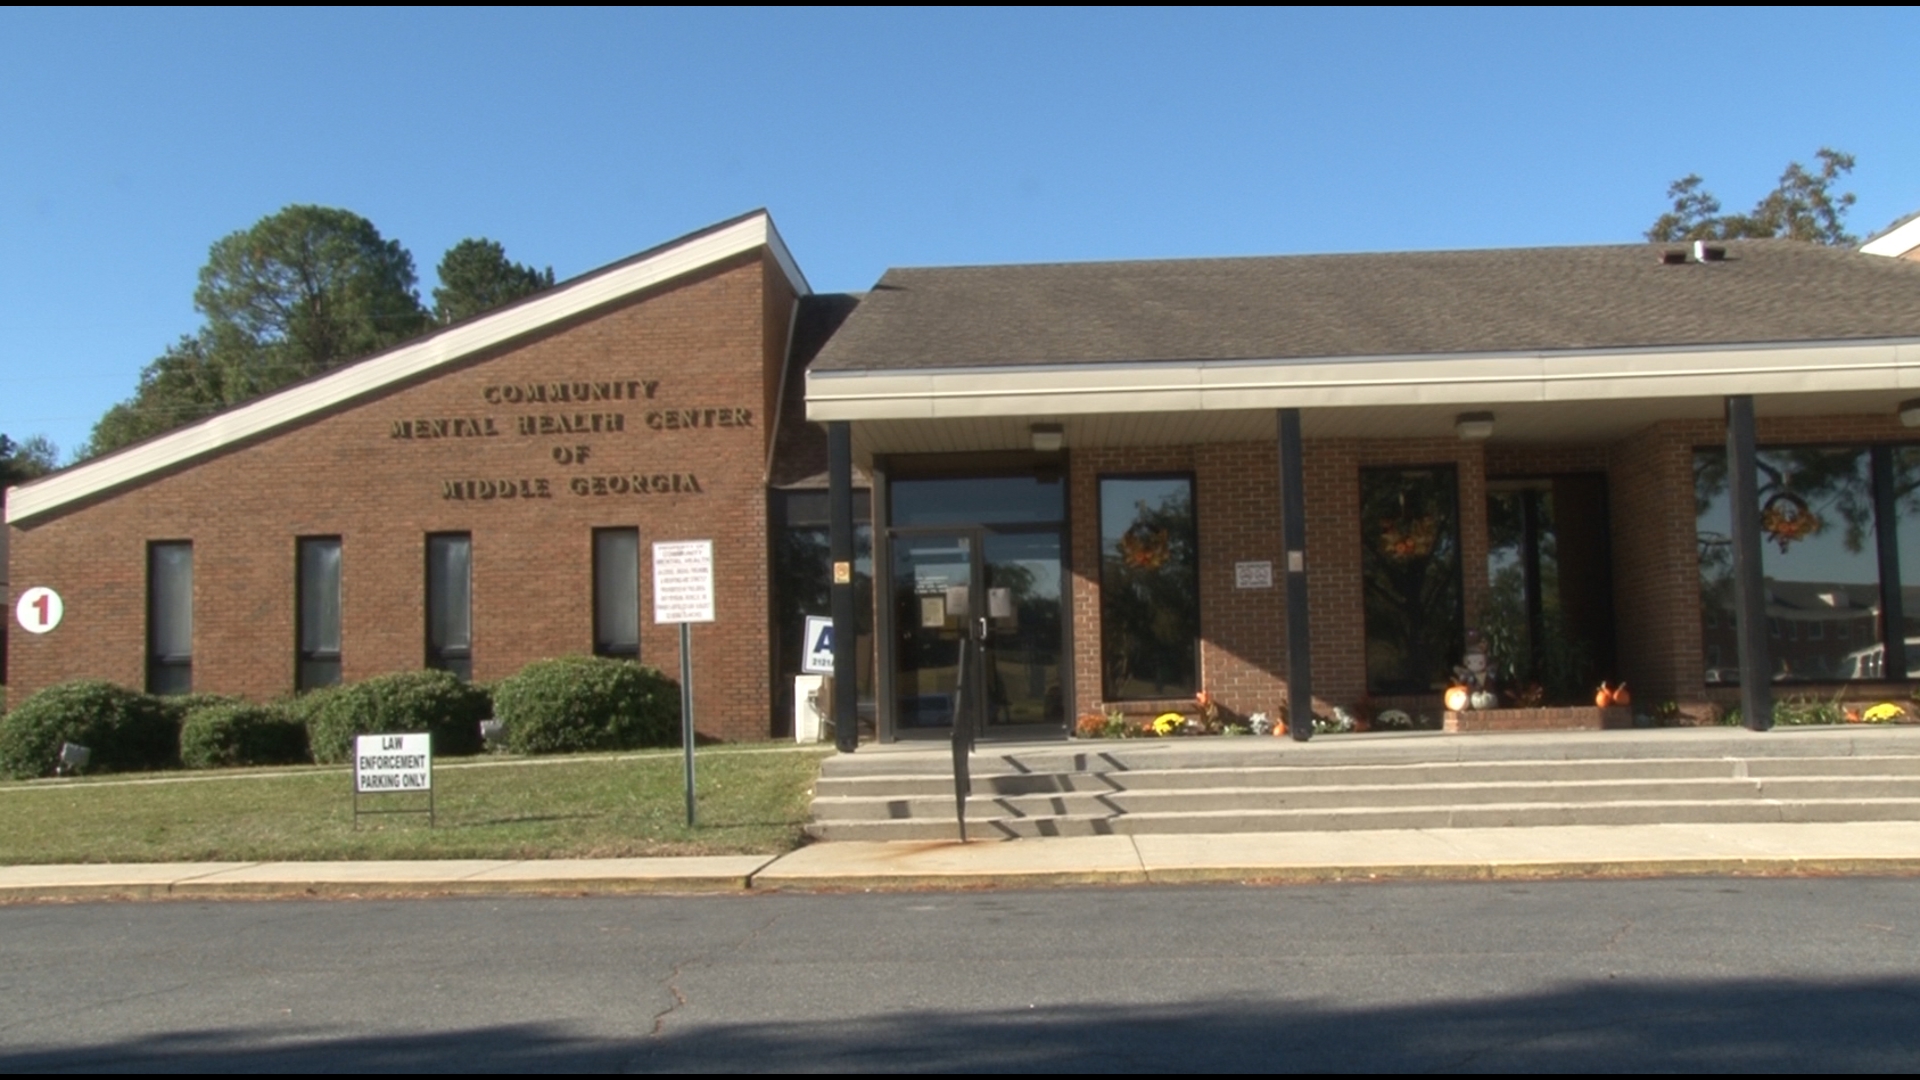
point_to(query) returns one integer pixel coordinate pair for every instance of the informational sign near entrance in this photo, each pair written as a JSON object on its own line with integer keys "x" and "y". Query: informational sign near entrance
{"x": 683, "y": 593}
{"x": 1253, "y": 575}
{"x": 683, "y": 581}
{"x": 39, "y": 610}
{"x": 400, "y": 763}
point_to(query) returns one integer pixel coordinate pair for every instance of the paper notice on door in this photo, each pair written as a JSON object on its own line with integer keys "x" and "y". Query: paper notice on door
{"x": 1000, "y": 603}
{"x": 957, "y": 600}
{"x": 933, "y": 612}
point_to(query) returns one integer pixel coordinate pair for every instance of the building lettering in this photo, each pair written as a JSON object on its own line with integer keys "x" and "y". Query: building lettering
{"x": 446, "y": 427}
{"x": 634, "y": 484}
{"x": 571, "y": 423}
{"x": 561, "y": 393}
{"x": 486, "y": 490}
{"x": 685, "y": 419}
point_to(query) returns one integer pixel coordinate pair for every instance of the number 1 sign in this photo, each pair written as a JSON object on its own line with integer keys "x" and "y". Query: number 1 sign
{"x": 39, "y": 609}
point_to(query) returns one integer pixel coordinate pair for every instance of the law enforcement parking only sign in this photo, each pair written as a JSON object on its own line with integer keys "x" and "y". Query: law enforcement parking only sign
{"x": 391, "y": 765}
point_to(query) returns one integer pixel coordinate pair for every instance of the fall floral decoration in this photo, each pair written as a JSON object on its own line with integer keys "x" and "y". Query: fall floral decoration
{"x": 1143, "y": 547}
{"x": 1786, "y": 517}
{"x": 1410, "y": 539}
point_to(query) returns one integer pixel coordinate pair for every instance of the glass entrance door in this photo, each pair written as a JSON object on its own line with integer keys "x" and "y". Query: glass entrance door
{"x": 1025, "y": 622}
{"x": 985, "y": 554}
{"x": 936, "y": 597}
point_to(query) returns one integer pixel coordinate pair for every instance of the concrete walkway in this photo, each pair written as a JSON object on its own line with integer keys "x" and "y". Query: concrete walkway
{"x": 1584, "y": 851}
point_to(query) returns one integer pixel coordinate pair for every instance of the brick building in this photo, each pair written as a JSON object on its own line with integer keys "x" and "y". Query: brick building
{"x": 1086, "y": 468}
{"x": 1527, "y": 448}
{"x": 476, "y": 499}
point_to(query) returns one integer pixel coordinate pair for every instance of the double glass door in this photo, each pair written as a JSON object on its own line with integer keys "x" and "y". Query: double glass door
{"x": 998, "y": 588}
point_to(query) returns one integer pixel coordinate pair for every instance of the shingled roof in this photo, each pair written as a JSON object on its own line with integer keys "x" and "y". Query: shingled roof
{"x": 1373, "y": 305}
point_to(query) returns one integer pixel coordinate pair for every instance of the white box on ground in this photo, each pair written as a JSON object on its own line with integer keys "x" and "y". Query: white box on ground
{"x": 683, "y": 581}
{"x": 388, "y": 763}
{"x": 809, "y": 713}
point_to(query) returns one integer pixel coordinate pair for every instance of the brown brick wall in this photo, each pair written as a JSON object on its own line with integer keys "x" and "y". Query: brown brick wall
{"x": 708, "y": 341}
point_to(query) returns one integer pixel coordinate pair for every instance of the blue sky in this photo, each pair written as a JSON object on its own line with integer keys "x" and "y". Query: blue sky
{"x": 135, "y": 139}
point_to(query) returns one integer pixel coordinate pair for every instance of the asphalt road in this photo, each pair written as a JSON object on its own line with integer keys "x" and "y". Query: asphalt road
{"x": 1694, "y": 974}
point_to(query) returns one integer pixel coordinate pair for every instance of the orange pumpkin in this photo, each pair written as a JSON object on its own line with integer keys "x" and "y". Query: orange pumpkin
{"x": 1457, "y": 698}
{"x": 1621, "y": 697}
{"x": 1603, "y": 697}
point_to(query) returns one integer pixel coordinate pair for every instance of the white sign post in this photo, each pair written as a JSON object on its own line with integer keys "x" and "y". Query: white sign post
{"x": 39, "y": 610}
{"x": 683, "y": 593}
{"x": 392, "y": 764}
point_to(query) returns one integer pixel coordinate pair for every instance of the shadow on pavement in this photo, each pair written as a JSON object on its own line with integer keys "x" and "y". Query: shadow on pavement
{"x": 1737, "y": 1026}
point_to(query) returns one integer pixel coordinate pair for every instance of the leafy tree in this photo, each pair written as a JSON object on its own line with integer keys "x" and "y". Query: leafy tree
{"x": 185, "y": 384}
{"x": 1803, "y": 207}
{"x": 301, "y": 292}
{"x": 22, "y": 461}
{"x": 476, "y": 276}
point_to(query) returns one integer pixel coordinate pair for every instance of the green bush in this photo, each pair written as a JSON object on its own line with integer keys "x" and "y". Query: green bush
{"x": 125, "y": 729}
{"x": 181, "y": 706}
{"x": 431, "y": 701}
{"x": 587, "y": 703}
{"x": 237, "y": 733}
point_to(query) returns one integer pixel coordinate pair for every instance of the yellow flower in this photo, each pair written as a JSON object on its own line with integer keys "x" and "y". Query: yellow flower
{"x": 1884, "y": 713}
{"x": 1167, "y": 723}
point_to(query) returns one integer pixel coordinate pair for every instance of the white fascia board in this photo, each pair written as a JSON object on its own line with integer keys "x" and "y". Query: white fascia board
{"x": 367, "y": 377}
{"x": 1894, "y": 242}
{"x": 1593, "y": 375}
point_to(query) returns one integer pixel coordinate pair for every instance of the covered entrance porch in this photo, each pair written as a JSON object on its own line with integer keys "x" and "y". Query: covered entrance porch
{"x": 1324, "y": 486}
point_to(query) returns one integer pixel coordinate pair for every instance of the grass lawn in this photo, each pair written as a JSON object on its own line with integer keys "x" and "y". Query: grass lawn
{"x": 752, "y": 800}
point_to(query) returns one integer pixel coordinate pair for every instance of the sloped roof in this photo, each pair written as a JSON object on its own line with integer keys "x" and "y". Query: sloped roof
{"x": 1372, "y": 305}
{"x": 402, "y": 364}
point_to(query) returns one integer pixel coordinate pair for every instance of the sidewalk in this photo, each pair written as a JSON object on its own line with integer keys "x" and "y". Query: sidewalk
{"x": 1573, "y": 851}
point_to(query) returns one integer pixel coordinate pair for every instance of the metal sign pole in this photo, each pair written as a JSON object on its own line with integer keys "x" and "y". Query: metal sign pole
{"x": 686, "y": 710}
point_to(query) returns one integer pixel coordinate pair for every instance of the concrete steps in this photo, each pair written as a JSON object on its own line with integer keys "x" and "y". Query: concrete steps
{"x": 1370, "y": 782}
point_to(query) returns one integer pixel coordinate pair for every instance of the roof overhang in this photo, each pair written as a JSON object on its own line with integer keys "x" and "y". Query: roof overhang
{"x": 404, "y": 364}
{"x": 1896, "y": 241}
{"x": 1540, "y": 396}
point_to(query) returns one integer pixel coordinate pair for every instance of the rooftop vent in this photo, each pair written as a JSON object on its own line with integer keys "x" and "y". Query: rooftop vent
{"x": 1702, "y": 253}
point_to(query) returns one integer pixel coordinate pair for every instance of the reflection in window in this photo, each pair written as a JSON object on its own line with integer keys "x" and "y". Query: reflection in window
{"x": 1820, "y": 558}
{"x": 1410, "y": 570}
{"x": 450, "y": 604}
{"x": 170, "y": 618}
{"x": 972, "y": 500}
{"x": 1149, "y": 588}
{"x": 319, "y": 660}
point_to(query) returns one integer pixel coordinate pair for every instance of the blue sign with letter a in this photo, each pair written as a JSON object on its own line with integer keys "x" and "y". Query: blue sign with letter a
{"x": 816, "y": 648}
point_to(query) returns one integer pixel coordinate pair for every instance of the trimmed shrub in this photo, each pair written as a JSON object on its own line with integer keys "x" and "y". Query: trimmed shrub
{"x": 230, "y": 734}
{"x": 125, "y": 729}
{"x": 431, "y": 701}
{"x": 587, "y": 703}
{"x": 181, "y": 706}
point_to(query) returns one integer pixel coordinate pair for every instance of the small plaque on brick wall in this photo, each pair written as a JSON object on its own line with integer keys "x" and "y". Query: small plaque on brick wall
{"x": 1253, "y": 575}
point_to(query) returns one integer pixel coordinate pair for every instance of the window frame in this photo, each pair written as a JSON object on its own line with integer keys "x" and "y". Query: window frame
{"x": 1108, "y": 690}
{"x": 158, "y": 663}
{"x": 304, "y": 656}
{"x": 457, "y": 659}
{"x": 602, "y": 647}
